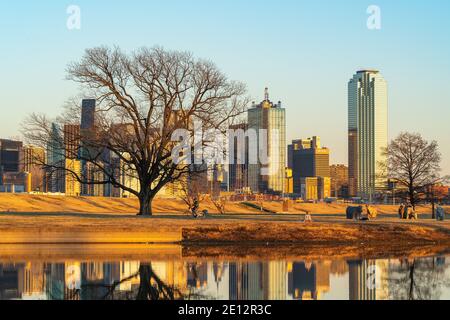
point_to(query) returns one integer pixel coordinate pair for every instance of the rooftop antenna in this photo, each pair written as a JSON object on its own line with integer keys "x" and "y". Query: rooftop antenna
{"x": 266, "y": 94}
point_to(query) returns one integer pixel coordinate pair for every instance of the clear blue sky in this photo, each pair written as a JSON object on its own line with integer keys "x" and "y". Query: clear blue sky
{"x": 304, "y": 51}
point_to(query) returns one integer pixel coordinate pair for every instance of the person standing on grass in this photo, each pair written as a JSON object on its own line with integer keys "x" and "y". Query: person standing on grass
{"x": 406, "y": 212}
{"x": 195, "y": 208}
{"x": 401, "y": 209}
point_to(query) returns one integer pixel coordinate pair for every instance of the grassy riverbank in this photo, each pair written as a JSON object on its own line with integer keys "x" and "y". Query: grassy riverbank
{"x": 66, "y": 220}
{"x": 217, "y": 229}
{"x": 62, "y": 204}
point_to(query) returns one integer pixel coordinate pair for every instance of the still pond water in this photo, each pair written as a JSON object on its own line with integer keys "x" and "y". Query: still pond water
{"x": 234, "y": 279}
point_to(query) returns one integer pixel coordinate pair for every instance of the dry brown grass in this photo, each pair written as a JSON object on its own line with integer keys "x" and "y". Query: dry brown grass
{"x": 40, "y": 203}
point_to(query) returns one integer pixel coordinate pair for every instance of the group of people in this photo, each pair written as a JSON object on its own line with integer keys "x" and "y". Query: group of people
{"x": 407, "y": 212}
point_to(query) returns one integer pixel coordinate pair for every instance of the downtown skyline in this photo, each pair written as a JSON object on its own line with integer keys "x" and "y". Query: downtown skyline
{"x": 303, "y": 57}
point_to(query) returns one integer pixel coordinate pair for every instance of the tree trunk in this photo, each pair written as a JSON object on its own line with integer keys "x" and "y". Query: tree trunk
{"x": 145, "y": 203}
{"x": 146, "y": 290}
{"x": 412, "y": 199}
{"x": 433, "y": 208}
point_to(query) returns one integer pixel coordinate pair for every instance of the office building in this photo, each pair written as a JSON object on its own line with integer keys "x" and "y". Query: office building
{"x": 72, "y": 166}
{"x": 367, "y": 132}
{"x": 310, "y": 168}
{"x": 10, "y": 155}
{"x": 89, "y": 149}
{"x": 55, "y": 174}
{"x": 339, "y": 181}
{"x": 268, "y": 122}
{"x": 289, "y": 189}
{"x": 33, "y": 163}
{"x": 238, "y": 166}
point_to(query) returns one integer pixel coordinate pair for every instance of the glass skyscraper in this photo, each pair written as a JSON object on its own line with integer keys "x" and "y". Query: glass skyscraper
{"x": 268, "y": 176}
{"x": 367, "y": 132}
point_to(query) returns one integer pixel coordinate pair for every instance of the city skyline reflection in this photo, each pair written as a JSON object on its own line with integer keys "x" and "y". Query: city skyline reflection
{"x": 424, "y": 278}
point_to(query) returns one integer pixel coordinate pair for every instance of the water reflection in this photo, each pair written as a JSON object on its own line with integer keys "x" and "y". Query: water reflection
{"x": 425, "y": 278}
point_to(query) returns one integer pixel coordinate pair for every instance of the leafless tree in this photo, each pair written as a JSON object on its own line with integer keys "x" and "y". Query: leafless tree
{"x": 193, "y": 190}
{"x": 414, "y": 164}
{"x": 151, "y": 286}
{"x": 142, "y": 99}
{"x": 220, "y": 203}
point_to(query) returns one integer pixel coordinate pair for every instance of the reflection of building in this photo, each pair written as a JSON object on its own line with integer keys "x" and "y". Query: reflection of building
{"x": 361, "y": 277}
{"x": 275, "y": 280}
{"x": 246, "y": 282}
{"x": 338, "y": 267}
{"x": 257, "y": 280}
{"x": 197, "y": 276}
{"x": 9, "y": 281}
{"x": 382, "y": 280}
{"x": 308, "y": 280}
{"x": 367, "y": 131}
{"x": 267, "y": 176}
{"x": 33, "y": 281}
{"x": 173, "y": 273}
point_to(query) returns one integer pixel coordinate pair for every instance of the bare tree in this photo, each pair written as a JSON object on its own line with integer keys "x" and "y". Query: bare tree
{"x": 414, "y": 164}
{"x": 220, "y": 203}
{"x": 142, "y": 99}
{"x": 193, "y": 190}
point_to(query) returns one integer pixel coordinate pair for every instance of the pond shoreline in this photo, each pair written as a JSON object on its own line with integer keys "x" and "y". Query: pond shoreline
{"x": 217, "y": 230}
{"x": 139, "y": 252}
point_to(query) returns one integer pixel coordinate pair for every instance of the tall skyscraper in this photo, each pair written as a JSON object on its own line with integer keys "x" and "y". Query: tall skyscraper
{"x": 89, "y": 150}
{"x": 238, "y": 167}
{"x": 55, "y": 175}
{"x": 72, "y": 163}
{"x": 87, "y": 114}
{"x": 367, "y": 131}
{"x": 268, "y": 176}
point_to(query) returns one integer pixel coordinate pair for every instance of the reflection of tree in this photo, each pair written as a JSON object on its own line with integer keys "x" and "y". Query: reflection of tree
{"x": 151, "y": 287}
{"x": 418, "y": 279}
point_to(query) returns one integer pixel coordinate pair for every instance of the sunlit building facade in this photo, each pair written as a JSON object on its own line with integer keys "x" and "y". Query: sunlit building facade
{"x": 367, "y": 131}
{"x": 268, "y": 175}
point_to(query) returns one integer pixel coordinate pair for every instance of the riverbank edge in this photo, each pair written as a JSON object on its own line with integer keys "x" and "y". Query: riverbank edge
{"x": 252, "y": 232}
